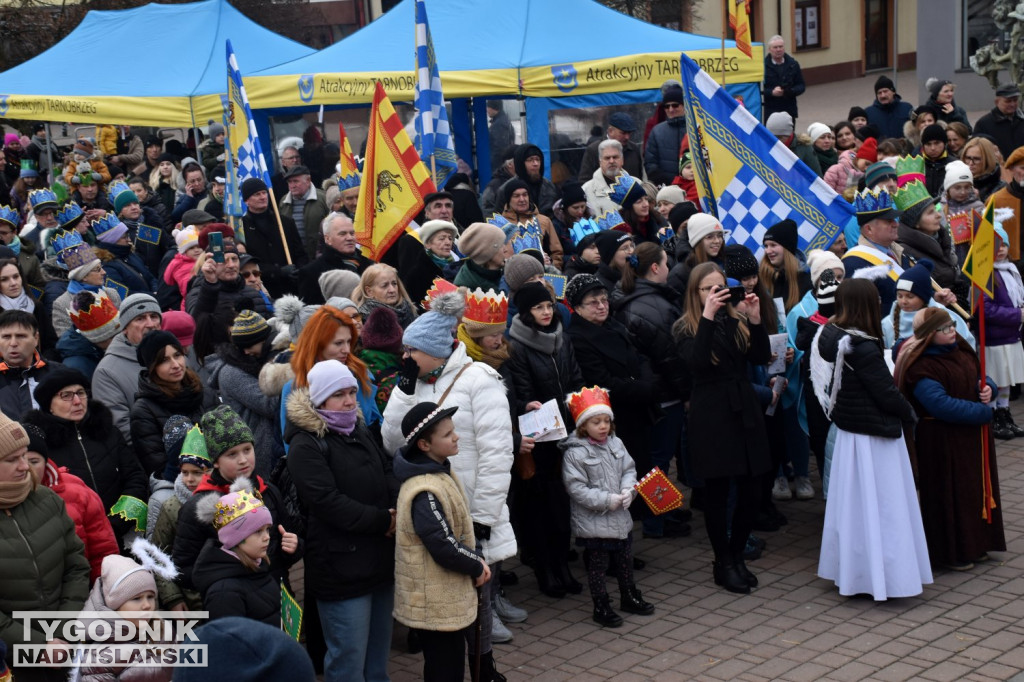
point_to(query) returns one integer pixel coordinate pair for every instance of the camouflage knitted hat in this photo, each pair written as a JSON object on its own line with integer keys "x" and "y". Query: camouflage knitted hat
{"x": 223, "y": 429}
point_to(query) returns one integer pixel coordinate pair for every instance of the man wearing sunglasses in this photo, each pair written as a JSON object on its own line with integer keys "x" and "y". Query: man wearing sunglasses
{"x": 661, "y": 158}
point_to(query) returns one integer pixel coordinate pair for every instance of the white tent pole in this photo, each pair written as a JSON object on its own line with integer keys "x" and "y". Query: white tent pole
{"x": 49, "y": 154}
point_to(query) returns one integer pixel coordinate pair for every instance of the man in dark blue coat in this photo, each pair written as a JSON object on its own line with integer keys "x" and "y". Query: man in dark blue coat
{"x": 783, "y": 80}
{"x": 889, "y": 112}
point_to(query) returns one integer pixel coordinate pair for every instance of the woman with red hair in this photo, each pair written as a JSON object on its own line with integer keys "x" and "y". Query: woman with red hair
{"x": 328, "y": 335}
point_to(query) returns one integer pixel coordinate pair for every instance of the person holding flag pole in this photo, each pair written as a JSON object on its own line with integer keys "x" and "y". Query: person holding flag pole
{"x": 242, "y": 149}
{"x": 434, "y": 134}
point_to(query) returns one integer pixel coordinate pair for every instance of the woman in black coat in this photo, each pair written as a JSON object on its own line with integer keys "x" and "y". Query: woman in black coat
{"x": 81, "y": 436}
{"x": 166, "y": 387}
{"x": 345, "y": 481}
{"x": 543, "y": 367}
{"x": 726, "y": 428}
{"x": 648, "y": 307}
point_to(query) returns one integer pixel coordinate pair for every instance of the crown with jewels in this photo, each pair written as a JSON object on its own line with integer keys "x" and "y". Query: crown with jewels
{"x": 101, "y": 312}
{"x": 588, "y": 403}
{"x": 440, "y": 286}
{"x": 116, "y": 188}
{"x": 70, "y": 215}
{"x": 625, "y": 190}
{"x": 244, "y": 502}
{"x": 909, "y": 169}
{"x": 582, "y": 228}
{"x": 527, "y": 236}
{"x": 610, "y": 220}
{"x": 71, "y": 251}
{"x": 37, "y": 198}
{"x": 486, "y": 307}
{"x": 105, "y": 224}
{"x": 873, "y": 201}
{"x": 10, "y": 216}
{"x": 912, "y": 194}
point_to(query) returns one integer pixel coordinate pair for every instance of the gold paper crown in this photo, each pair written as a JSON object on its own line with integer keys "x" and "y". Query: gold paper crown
{"x": 245, "y": 501}
{"x": 486, "y": 307}
{"x": 583, "y": 402}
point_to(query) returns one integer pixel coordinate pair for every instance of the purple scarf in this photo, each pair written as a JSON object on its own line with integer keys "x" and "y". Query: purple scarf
{"x": 343, "y": 422}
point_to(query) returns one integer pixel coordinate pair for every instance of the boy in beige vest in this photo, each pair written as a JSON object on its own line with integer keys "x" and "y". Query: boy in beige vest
{"x": 437, "y": 567}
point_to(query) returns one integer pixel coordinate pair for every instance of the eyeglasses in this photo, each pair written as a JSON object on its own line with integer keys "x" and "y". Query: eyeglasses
{"x": 673, "y": 105}
{"x": 945, "y": 329}
{"x": 254, "y": 274}
{"x": 597, "y": 302}
{"x": 972, "y": 159}
{"x": 68, "y": 396}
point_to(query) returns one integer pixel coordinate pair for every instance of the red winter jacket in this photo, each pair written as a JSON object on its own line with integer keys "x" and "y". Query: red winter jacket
{"x": 86, "y": 509}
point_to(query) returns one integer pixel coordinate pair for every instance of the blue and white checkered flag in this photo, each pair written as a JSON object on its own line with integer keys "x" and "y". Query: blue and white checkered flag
{"x": 244, "y": 157}
{"x": 433, "y": 134}
{"x": 747, "y": 177}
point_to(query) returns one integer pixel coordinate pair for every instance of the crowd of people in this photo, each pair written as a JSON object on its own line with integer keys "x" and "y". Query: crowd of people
{"x": 238, "y": 402}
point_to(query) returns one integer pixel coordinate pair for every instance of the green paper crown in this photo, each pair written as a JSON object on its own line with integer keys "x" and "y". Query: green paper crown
{"x": 910, "y": 165}
{"x": 912, "y": 194}
{"x": 193, "y": 449}
{"x": 131, "y": 509}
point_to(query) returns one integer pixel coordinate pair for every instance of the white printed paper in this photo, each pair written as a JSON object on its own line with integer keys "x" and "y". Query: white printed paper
{"x": 778, "y": 365}
{"x": 545, "y": 424}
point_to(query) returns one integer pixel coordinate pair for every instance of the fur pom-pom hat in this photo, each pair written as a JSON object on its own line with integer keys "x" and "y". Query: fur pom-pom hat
{"x": 433, "y": 332}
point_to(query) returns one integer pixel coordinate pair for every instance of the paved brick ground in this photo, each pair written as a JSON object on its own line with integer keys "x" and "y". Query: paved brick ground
{"x": 795, "y": 626}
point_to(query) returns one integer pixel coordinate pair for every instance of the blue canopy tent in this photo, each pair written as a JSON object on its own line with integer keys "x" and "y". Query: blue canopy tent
{"x": 184, "y": 89}
{"x": 503, "y": 49}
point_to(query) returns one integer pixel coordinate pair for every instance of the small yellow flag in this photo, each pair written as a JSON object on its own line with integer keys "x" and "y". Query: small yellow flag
{"x": 979, "y": 265}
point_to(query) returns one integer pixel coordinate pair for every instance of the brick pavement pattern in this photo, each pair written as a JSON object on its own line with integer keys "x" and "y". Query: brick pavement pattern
{"x": 794, "y": 626}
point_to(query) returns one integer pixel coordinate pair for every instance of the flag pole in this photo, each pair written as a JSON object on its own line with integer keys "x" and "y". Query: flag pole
{"x": 433, "y": 172}
{"x": 725, "y": 30}
{"x": 280, "y": 226}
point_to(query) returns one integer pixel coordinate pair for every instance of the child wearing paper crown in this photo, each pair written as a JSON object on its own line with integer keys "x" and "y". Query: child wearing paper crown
{"x": 233, "y": 571}
{"x": 437, "y": 564}
{"x": 1004, "y": 313}
{"x": 193, "y": 464}
{"x": 125, "y": 589}
{"x": 599, "y": 476}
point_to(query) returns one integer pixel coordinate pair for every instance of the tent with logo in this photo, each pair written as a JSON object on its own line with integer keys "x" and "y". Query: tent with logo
{"x": 555, "y": 55}
{"x": 177, "y": 78}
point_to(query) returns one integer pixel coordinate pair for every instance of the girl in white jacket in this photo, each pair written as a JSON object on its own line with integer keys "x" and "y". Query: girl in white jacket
{"x": 599, "y": 476}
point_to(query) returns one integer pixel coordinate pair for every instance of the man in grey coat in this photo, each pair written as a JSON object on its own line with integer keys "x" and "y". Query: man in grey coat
{"x": 116, "y": 380}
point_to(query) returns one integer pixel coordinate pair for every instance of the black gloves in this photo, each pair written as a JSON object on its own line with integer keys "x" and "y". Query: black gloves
{"x": 481, "y": 531}
{"x": 407, "y": 376}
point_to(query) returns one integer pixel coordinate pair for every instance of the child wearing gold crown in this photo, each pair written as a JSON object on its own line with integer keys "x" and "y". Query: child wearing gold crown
{"x": 599, "y": 476}
{"x": 233, "y": 571}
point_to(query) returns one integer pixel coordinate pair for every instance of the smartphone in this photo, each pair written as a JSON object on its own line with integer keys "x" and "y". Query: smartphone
{"x": 217, "y": 246}
{"x": 737, "y": 295}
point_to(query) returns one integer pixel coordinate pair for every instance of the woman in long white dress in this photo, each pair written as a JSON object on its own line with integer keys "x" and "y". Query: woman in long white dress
{"x": 873, "y": 541}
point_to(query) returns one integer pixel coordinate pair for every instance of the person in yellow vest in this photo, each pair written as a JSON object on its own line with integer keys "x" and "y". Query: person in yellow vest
{"x": 437, "y": 564}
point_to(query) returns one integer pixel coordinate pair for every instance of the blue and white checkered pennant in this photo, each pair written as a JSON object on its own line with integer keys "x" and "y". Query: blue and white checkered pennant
{"x": 244, "y": 158}
{"x": 433, "y": 134}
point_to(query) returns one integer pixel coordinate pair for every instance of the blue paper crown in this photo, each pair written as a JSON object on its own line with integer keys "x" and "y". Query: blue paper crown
{"x": 609, "y": 220}
{"x": 71, "y": 251}
{"x": 349, "y": 181}
{"x": 10, "y": 215}
{"x": 116, "y": 188}
{"x": 582, "y": 228}
{"x": 624, "y": 186}
{"x": 69, "y": 214}
{"x": 498, "y": 220}
{"x": 873, "y": 201}
{"x": 105, "y": 224}
{"x": 38, "y": 197}
{"x": 527, "y": 237}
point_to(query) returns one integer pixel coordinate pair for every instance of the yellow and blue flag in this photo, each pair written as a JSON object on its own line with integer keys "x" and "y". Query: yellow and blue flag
{"x": 739, "y": 22}
{"x": 244, "y": 157}
{"x": 434, "y": 135}
{"x": 979, "y": 265}
{"x": 746, "y": 177}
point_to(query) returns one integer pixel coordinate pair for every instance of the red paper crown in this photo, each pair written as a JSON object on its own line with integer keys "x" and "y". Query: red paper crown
{"x": 440, "y": 286}
{"x": 486, "y": 307}
{"x": 96, "y": 315}
{"x": 589, "y": 402}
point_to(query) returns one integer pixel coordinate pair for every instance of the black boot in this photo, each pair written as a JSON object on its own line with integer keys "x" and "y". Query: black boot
{"x": 633, "y": 602}
{"x": 412, "y": 642}
{"x": 548, "y": 583}
{"x": 728, "y": 576}
{"x": 745, "y": 573}
{"x": 570, "y": 584}
{"x": 1008, "y": 421}
{"x": 603, "y": 614}
{"x": 487, "y": 671}
{"x": 1000, "y": 429}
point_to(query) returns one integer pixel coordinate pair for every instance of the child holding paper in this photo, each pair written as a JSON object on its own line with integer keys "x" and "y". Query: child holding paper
{"x": 599, "y": 476}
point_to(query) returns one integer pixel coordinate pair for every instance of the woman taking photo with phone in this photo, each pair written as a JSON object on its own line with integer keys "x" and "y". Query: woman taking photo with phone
{"x": 717, "y": 340}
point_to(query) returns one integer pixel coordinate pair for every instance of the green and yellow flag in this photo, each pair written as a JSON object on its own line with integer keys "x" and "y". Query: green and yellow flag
{"x": 291, "y": 614}
{"x": 979, "y": 265}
